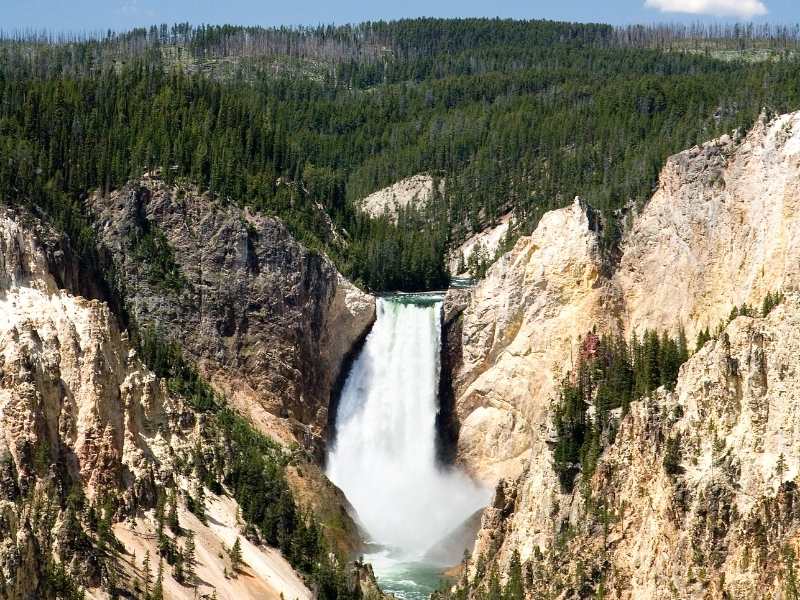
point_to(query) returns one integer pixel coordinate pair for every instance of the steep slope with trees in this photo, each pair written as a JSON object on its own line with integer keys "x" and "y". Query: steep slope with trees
{"x": 92, "y": 437}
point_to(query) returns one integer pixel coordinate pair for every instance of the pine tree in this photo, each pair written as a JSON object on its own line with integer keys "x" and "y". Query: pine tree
{"x": 702, "y": 338}
{"x": 198, "y": 501}
{"x": 683, "y": 346}
{"x": 672, "y": 456}
{"x": 235, "y": 555}
{"x": 515, "y": 586}
{"x": 104, "y": 534}
{"x": 178, "y": 571}
{"x": 172, "y": 516}
{"x": 158, "y": 587}
{"x": 146, "y": 573}
{"x": 493, "y": 590}
{"x": 160, "y": 519}
{"x": 780, "y": 467}
{"x": 188, "y": 556}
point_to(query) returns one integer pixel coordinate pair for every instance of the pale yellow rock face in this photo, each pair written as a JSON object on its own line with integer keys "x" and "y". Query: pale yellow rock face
{"x": 412, "y": 192}
{"x": 73, "y": 393}
{"x": 719, "y": 526}
{"x": 740, "y": 401}
{"x": 489, "y": 240}
{"x": 522, "y": 319}
{"x": 722, "y": 229}
{"x": 70, "y": 381}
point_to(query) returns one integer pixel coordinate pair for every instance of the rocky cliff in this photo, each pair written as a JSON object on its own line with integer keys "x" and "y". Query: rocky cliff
{"x": 267, "y": 321}
{"x": 83, "y": 421}
{"x": 696, "y": 498}
{"x": 73, "y": 392}
{"x": 93, "y": 441}
{"x": 520, "y": 321}
{"x": 721, "y": 230}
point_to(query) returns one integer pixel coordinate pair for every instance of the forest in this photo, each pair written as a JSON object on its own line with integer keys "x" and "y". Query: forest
{"x": 515, "y": 116}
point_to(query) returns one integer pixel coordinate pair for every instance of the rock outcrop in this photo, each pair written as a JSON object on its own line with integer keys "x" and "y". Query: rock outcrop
{"x": 267, "y": 321}
{"x": 721, "y": 230}
{"x": 533, "y": 306}
{"x": 90, "y": 438}
{"x": 412, "y": 192}
{"x": 72, "y": 391}
{"x": 486, "y": 243}
{"x": 719, "y": 522}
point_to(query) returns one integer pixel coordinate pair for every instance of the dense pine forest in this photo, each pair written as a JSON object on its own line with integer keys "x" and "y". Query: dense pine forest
{"x": 301, "y": 123}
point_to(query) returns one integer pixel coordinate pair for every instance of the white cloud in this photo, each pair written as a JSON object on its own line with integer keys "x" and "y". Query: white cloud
{"x": 723, "y": 8}
{"x": 130, "y": 8}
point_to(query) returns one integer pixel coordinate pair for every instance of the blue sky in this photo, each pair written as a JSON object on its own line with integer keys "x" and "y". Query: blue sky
{"x": 95, "y": 15}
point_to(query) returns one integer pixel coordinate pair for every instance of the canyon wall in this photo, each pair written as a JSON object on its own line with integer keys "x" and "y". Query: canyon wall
{"x": 724, "y": 521}
{"x": 88, "y": 429}
{"x": 519, "y": 322}
{"x": 81, "y": 417}
{"x": 721, "y": 230}
{"x": 266, "y": 320}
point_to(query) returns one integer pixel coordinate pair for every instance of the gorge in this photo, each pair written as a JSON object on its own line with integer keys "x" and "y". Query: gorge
{"x": 224, "y": 374}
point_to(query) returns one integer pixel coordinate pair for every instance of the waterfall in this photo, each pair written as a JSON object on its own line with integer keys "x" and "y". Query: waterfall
{"x": 384, "y": 457}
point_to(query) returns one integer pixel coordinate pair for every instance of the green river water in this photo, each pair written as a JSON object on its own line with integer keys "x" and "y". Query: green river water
{"x": 406, "y": 580}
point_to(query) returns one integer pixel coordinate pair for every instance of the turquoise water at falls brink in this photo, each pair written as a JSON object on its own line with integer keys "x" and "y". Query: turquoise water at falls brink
{"x": 384, "y": 456}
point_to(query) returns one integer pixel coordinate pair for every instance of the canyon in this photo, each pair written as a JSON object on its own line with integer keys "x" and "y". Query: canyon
{"x": 274, "y": 328}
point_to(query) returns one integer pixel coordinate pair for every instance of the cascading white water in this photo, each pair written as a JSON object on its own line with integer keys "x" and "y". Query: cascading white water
{"x": 384, "y": 457}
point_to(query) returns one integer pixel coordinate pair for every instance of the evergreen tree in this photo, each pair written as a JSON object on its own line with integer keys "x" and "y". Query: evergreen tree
{"x": 160, "y": 535}
{"x": 158, "y": 587}
{"x": 197, "y": 502}
{"x": 235, "y": 554}
{"x": 493, "y": 590}
{"x": 672, "y": 456}
{"x": 104, "y": 534}
{"x": 780, "y": 467}
{"x": 515, "y": 586}
{"x": 178, "y": 571}
{"x": 146, "y": 574}
{"x": 189, "y": 556}
{"x": 702, "y": 338}
{"x": 172, "y": 517}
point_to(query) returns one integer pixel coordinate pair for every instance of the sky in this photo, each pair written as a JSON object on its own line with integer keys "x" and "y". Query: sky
{"x": 100, "y": 15}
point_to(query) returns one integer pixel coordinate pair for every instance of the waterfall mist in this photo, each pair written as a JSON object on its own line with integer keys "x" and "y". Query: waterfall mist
{"x": 384, "y": 457}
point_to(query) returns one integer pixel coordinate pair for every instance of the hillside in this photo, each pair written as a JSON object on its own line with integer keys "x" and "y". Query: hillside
{"x": 104, "y": 460}
{"x": 516, "y": 116}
